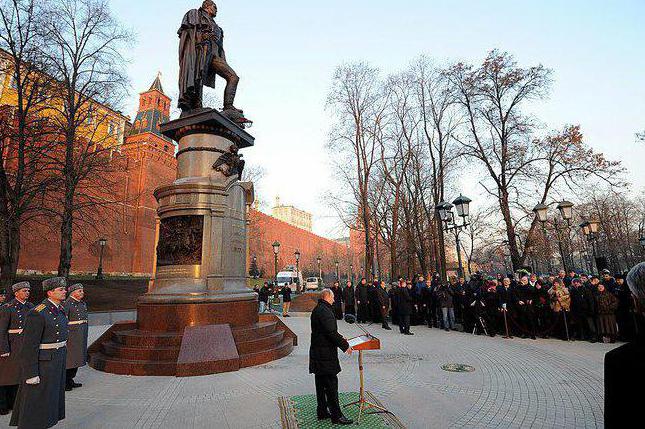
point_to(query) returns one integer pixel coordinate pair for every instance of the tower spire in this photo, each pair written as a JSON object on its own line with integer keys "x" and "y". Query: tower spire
{"x": 157, "y": 83}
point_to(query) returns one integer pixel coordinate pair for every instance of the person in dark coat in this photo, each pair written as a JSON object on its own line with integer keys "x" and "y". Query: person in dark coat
{"x": 338, "y": 301}
{"x": 606, "y": 305}
{"x": 405, "y": 308}
{"x": 541, "y": 306}
{"x": 384, "y": 303}
{"x": 263, "y": 297}
{"x": 374, "y": 307}
{"x": 76, "y": 311}
{"x": 524, "y": 295}
{"x": 459, "y": 290}
{"x": 362, "y": 301}
{"x": 12, "y": 323}
{"x": 323, "y": 358}
{"x": 349, "y": 299}
{"x": 444, "y": 299}
{"x": 286, "y": 300}
{"x": 583, "y": 310}
{"x": 393, "y": 293}
{"x": 625, "y": 367}
{"x": 40, "y": 402}
{"x": 624, "y": 315}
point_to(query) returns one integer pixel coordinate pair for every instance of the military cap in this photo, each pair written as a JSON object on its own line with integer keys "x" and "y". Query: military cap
{"x": 2, "y": 292}
{"x": 53, "y": 283}
{"x": 76, "y": 286}
{"x": 18, "y": 286}
{"x": 606, "y": 271}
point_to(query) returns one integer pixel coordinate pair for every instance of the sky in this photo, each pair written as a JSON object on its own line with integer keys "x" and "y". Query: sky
{"x": 285, "y": 53}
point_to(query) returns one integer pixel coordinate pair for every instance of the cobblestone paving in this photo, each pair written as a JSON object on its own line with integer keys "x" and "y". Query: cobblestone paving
{"x": 516, "y": 384}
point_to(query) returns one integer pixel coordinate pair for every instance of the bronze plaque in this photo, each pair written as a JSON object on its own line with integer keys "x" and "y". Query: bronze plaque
{"x": 180, "y": 241}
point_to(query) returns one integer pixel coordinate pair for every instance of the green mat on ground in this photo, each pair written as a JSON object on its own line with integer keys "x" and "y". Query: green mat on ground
{"x": 299, "y": 412}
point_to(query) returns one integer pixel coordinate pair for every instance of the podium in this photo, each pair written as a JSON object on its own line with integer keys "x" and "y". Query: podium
{"x": 361, "y": 343}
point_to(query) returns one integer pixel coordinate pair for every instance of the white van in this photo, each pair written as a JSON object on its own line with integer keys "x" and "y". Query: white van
{"x": 291, "y": 279}
{"x": 313, "y": 283}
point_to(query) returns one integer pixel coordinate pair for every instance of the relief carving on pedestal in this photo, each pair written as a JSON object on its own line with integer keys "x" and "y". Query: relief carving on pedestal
{"x": 230, "y": 163}
{"x": 180, "y": 241}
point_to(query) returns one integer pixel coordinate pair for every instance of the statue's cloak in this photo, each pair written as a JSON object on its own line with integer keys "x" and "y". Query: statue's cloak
{"x": 195, "y": 56}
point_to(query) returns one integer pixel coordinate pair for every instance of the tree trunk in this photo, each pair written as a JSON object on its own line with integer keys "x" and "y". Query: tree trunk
{"x": 66, "y": 228}
{"x": 10, "y": 251}
{"x": 516, "y": 259}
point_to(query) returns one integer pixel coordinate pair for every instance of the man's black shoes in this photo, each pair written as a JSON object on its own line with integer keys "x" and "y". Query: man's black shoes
{"x": 324, "y": 416}
{"x": 342, "y": 420}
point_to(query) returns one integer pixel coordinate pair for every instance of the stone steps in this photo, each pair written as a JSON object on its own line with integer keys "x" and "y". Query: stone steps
{"x": 278, "y": 352}
{"x": 128, "y": 350}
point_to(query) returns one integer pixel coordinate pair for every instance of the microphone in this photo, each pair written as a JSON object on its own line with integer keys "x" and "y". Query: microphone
{"x": 351, "y": 319}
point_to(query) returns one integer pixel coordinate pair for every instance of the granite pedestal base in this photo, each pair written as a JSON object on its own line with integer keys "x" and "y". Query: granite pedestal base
{"x": 192, "y": 339}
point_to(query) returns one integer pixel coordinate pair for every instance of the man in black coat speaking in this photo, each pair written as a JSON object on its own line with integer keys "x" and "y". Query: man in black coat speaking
{"x": 323, "y": 358}
{"x": 625, "y": 367}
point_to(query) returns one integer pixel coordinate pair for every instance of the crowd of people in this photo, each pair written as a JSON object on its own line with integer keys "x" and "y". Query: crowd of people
{"x": 569, "y": 306}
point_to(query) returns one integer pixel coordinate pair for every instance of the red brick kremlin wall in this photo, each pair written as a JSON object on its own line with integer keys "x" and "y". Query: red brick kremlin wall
{"x": 149, "y": 162}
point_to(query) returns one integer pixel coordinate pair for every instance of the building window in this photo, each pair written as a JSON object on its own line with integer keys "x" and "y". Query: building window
{"x": 111, "y": 128}
{"x": 13, "y": 83}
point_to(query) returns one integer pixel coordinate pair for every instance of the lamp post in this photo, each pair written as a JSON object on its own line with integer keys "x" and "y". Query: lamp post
{"x": 276, "y": 250}
{"x": 337, "y": 272}
{"x": 319, "y": 260}
{"x": 99, "y": 271}
{"x": 297, "y": 255}
{"x": 566, "y": 212}
{"x": 590, "y": 230}
{"x": 462, "y": 206}
{"x": 351, "y": 273}
{"x": 255, "y": 267}
{"x": 641, "y": 234}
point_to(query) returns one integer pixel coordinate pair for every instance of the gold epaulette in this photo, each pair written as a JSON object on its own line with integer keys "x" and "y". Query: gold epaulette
{"x": 40, "y": 308}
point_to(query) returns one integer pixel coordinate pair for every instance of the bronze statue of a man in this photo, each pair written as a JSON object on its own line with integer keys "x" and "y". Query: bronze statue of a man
{"x": 201, "y": 58}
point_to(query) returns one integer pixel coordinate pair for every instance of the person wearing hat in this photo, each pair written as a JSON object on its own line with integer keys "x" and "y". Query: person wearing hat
{"x": 76, "y": 311}
{"x": 40, "y": 402}
{"x": 625, "y": 367}
{"x": 12, "y": 323}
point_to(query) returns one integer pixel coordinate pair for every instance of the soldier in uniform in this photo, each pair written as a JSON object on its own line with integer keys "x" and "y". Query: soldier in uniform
{"x": 40, "y": 402}
{"x": 76, "y": 311}
{"x": 12, "y": 323}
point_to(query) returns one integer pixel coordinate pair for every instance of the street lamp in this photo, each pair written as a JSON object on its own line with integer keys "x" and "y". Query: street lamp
{"x": 462, "y": 206}
{"x": 319, "y": 260}
{"x": 99, "y": 271}
{"x": 351, "y": 272}
{"x": 566, "y": 210}
{"x": 590, "y": 230}
{"x": 297, "y": 255}
{"x": 276, "y": 250}
{"x": 337, "y": 272}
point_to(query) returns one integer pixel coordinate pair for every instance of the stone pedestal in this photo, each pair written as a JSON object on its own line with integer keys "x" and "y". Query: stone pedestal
{"x": 200, "y": 267}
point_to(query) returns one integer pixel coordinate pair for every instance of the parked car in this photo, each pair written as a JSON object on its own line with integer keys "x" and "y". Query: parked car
{"x": 313, "y": 283}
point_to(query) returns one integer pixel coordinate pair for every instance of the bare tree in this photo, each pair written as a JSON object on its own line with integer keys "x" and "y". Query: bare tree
{"x": 85, "y": 51}
{"x": 25, "y": 135}
{"x": 497, "y": 133}
{"x": 358, "y": 105}
{"x": 440, "y": 118}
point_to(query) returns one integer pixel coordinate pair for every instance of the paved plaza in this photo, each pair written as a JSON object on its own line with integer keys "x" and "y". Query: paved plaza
{"x": 516, "y": 383}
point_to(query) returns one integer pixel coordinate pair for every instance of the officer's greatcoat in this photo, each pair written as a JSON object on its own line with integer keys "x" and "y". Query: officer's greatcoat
{"x": 43, "y": 355}
{"x": 76, "y": 312}
{"x": 12, "y": 323}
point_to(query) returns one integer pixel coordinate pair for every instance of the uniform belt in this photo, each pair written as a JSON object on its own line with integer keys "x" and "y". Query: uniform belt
{"x": 53, "y": 346}
{"x": 77, "y": 322}
{"x": 15, "y": 331}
